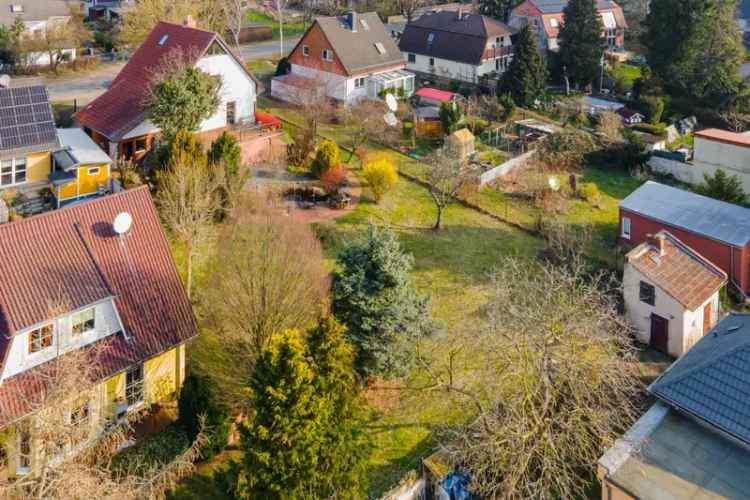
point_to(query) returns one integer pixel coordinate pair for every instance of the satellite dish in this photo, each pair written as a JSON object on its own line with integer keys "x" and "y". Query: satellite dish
{"x": 122, "y": 223}
{"x": 391, "y": 102}
{"x": 554, "y": 183}
{"x": 4, "y": 81}
{"x": 390, "y": 119}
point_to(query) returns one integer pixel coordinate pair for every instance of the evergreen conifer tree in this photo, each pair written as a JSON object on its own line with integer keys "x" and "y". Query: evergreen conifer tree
{"x": 526, "y": 77}
{"x": 581, "y": 43}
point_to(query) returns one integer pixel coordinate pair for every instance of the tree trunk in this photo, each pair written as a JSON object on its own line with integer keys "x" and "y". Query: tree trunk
{"x": 439, "y": 222}
{"x": 189, "y": 268}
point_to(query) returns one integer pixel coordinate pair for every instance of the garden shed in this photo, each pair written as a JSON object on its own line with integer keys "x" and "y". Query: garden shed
{"x": 462, "y": 142}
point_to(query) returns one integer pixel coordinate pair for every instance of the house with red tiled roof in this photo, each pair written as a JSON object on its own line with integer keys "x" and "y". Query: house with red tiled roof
{"x": 117, "y": 120}
{"x": 95, "y": 278}
{"x": 546, "y": 17}
{"x": 671, "y": 293}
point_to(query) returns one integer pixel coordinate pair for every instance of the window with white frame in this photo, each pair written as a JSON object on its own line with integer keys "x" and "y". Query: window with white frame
{"x": 327, "y": 55}
{"x": 554, "y": 22}
{"x": 24, "y": 448}
{"x": 626, "y": 227}
{"x": 409, "y": 84}
{"x": 83, "y": 321}
{"x": 134, "y": 384}
{"x": 412, "y": 58}
{"x": 41, "y": 338}
{"x": 359, "y": 82}
{"x": 305, "y": 50}
{"x": 12, "y": 171}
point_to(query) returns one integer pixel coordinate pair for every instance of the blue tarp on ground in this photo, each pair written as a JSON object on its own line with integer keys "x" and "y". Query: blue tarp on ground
{"x": 456, "y": 484}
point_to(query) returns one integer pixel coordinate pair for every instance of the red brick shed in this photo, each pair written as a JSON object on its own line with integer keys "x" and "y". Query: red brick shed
{"x": 717, "y": 230}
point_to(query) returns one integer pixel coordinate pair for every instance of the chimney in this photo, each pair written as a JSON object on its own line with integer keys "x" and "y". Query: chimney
{"x": 189, "y": 22}
{"x": 658, "y": 242}
{"x": 352, "y": 17}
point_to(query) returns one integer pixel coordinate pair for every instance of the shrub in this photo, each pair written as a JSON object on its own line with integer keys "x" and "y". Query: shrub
{"x": 327, "y": 157}
{"x": 589, "y": 191}
{"x": 654, "y": 107}
{"x": 226, "y": 149}
{"x": 476, "y": 124}
{"x": 155, "y": 450}
{"x": 284, "y": 67}
{"x": 333, "y": 178}
{"x": 450, "y": 116}
{"x": 198, "y": 398}
{"x": 722, "y": 186}
{"x": 381, "y": 175}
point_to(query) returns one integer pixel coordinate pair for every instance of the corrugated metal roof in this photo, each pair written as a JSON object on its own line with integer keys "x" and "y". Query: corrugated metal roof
{"x": 712, "y": 380}
{"x": 715, "y": 219}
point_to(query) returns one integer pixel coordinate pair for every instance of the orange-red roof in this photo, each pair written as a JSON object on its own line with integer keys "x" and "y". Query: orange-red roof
{"x": 724, "y": 136}
{"x": 680, "y": 271}
{"x": 73, "y": 256}
{"x": 121, "y": 108}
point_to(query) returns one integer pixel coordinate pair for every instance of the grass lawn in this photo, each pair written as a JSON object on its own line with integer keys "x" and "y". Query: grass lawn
{"x": 628, "y": 72}
{"x": 292, "y": 28}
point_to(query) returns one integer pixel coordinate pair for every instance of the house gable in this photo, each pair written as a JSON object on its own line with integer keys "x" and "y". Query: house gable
{"x": 316, "y": 40}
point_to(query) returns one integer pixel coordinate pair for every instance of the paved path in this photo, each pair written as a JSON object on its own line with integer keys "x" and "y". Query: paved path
{"x": 86, "y": 87}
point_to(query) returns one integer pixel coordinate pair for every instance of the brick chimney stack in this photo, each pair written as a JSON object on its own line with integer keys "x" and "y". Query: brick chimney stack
{"x": 189, "y": 22}
{"x": 658, "y": 242}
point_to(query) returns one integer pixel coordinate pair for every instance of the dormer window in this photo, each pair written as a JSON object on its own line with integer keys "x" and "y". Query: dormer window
{"x": 380, "y": 48}
{"x": 83, "y": 321}
{"x": 41, "y": 338}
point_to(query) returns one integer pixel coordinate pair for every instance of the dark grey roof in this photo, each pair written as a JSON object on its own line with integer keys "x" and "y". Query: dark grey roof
{"x": 33, "y": 10}
{"x": 64, "y": 160}
{"x": 715, "y": 219}
{"x": 26, "y": 121}
{"x": 454, "y": 39}
{"x": 554, "y": 6}
{"x": 356, "y": 49}
{"x": 712, "y": 380}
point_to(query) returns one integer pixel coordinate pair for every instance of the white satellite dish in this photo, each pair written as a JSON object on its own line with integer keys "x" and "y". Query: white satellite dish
{"x": 390, "y": 119}
{"x": 4, "y": 81}
{"x": 391, "y": 102}
{"x": 554, "y": 183}
{"x": 122, "y": 223}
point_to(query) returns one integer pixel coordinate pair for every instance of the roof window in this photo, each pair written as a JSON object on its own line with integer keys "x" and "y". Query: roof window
{"x": 364, "y": 24}
{"x": 163, "y": 39}
{"x": 16, "y": 8}
{"x": 430, "y": 38}
{"x": 379, "y": 46}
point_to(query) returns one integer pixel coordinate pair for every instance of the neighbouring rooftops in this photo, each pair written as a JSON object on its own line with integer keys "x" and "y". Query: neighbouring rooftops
{"x": 669, "y": 455}
{"x": 677, "y": 269}
{"x": 555, "y": 6}
{"x": 26, "y": 121}
{"x": 357, "y": 50}
{"x": 122, "y": 107}
{"x": 692, "y": 212}
{"x": 444, "y": 35}
{"x": 81, "y": 148}
{"x": 435, "y": 94}
{"x": 72, "y": 256}
{"x": 739, "y": 139}
{"x": 32, "y": 10}
{"x": 711, "y": 381}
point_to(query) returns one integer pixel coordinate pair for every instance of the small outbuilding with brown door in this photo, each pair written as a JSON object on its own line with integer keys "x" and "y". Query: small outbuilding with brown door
{"x": 671, "y": 293}
{"x": 716, "y": 230}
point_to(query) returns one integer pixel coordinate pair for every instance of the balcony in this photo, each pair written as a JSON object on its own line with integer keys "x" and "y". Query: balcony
{"x": 496, "y": 52}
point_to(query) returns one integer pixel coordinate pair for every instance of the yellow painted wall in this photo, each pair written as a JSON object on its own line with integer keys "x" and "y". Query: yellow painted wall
{"x": 38, "y": 166}
{"x": 86, "y": 184}
{"x": 161, "y": 375}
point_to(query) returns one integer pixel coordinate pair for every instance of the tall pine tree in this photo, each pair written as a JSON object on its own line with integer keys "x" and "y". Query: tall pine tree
{"x": 373, "y": 297}
{"x": 694, "y": 47}
{"x": 581, "y": 43}
{"x": 526, "y": 77}
{"x": 306, "y": 437}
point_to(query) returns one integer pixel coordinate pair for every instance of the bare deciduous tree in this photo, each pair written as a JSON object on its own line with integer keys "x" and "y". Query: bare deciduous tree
{"x": 551, "y": 381}
{"x": 267, "y": 275}
{"x": 55, "y": 37}
{"x": 447, "y": 175}
{"x": 365, "y": 119}
{"x": 188, "y": 205}
{"x": 610, "y": 127}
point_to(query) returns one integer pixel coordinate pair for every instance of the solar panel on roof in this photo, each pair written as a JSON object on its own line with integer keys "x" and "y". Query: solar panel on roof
{"x": 25, "y": 118}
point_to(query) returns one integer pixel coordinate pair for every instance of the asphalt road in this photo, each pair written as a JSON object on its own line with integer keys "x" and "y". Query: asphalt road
{"x": 86, "y": 87}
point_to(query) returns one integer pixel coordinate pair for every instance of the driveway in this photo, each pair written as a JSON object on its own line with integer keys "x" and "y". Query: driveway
{"x": 86, "y": 87}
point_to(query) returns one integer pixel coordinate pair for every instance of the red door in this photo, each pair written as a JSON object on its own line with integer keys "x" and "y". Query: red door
{"x": 659, "y": 333}
{"x": 707, "y": 318}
